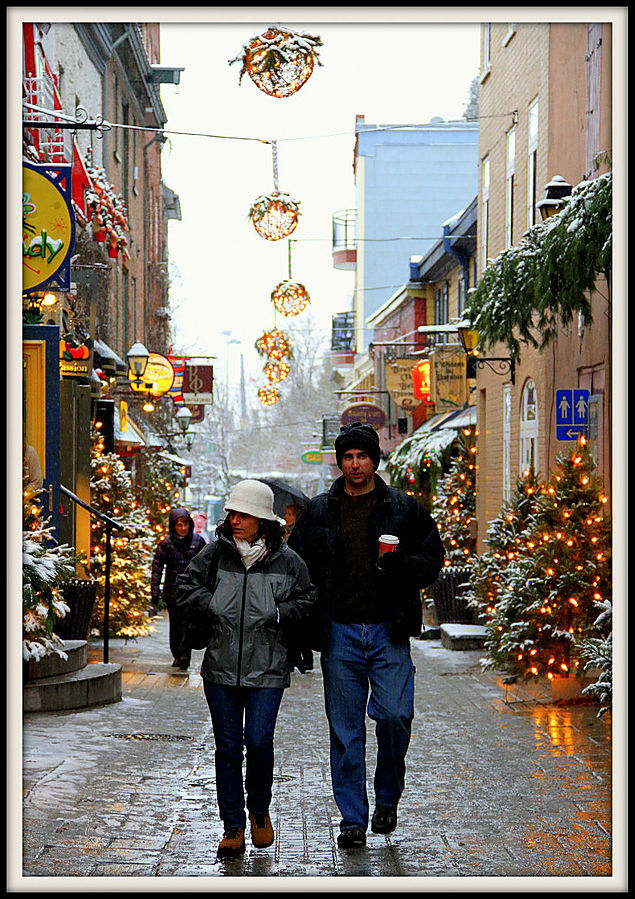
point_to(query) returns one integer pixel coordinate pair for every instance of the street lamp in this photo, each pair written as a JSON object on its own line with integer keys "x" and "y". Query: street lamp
{"x": 469, "y": 341}
{"x": 183, "y": 418}
{"x": 556, "y": 193}
{"x": 137, "y": 360}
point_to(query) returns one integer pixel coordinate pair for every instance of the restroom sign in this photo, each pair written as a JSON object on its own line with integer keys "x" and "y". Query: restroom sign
{"x": 572, "y": 413}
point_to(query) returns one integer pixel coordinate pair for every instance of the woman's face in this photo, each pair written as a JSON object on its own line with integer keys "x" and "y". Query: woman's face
{"x": 244, "y": 526}
{"x": 181, "y": 526}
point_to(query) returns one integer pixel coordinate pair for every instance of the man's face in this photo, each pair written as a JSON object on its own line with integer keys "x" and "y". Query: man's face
{"x": 358, "y": 470}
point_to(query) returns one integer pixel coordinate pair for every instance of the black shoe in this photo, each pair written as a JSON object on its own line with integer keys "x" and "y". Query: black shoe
{"x": 351, "y": 838}
{"x": 384, "y": 819}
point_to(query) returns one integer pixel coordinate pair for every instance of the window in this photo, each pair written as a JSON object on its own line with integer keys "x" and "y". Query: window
{"x": 507, "y": 438}
{"x": 441, "y": 310}
{"x": 529, "y": 428}
{"x": 115, "y": 114}
{"x": 509, "y": 188}
{"x": 486, "y": 46}
{"x": 532, "y": 150}
{"x": 484, "y": 211}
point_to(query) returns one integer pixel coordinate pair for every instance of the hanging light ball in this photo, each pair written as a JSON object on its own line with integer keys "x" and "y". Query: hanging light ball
{"x": 274, "y": 344}
{"x": 276, "y": 371}
{"x": 268, "y": 396}
{"x": 290, "y": 298}
{"x": 275, "y": 215}
{"x": 279, "y": 61}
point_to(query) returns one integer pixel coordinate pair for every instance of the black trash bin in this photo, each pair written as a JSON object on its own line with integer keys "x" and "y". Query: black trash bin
{"x": 446, "y": 592}
{"x": 80, "y": 596}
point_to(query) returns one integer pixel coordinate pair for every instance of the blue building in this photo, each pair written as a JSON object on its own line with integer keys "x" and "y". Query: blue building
{"x": 409, "y": 179}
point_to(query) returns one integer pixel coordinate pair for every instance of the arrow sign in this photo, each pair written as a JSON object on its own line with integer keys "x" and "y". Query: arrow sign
{"x": 572, "y": 413}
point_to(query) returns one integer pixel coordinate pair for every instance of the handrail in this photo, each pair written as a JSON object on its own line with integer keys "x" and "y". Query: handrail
{"x": 110, "y": 524}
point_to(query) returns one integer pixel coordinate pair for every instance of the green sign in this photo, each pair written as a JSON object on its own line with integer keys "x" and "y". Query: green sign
{"x": 313, "y": 457}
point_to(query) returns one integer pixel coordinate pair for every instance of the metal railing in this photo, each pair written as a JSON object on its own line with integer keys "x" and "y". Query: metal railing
{"x": 110, "y": 524}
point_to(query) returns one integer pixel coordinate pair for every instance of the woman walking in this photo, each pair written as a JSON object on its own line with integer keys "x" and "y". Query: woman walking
{"x": 251, "y": 593}
{"x": 173, "y": 555}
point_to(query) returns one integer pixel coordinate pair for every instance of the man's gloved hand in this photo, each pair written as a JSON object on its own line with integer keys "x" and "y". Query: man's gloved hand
{"x": 391, "y": 563}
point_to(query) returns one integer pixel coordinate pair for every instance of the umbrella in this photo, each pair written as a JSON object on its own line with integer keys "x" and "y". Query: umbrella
{"x": 285, "y": 495}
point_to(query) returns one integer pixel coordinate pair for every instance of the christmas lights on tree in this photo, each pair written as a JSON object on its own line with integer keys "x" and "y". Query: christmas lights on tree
{"x": 454, "y": 506}
{"x": 112, "y": 493}
{"x": 160, "y": 494}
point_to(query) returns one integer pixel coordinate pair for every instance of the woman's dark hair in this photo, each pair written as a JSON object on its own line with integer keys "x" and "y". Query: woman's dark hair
{"x": 272, "y": 531}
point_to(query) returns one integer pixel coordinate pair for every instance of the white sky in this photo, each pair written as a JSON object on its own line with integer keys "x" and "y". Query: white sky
{"x": 222, "y": 271}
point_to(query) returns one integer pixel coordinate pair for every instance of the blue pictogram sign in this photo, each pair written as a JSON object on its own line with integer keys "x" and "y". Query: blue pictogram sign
{"x": 572, "y": 413}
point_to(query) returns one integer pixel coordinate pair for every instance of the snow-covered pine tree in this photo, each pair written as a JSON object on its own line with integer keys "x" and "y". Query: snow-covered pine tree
{"x": 160, "y": 493}
{"x": 547, "y": 594}
{"x": 112, "y": 493}
{"x": 504, "y": 537}
{"x": 597, "y": 653}
{"x": 45, "y": 567}
{"x": 454, "y": 506}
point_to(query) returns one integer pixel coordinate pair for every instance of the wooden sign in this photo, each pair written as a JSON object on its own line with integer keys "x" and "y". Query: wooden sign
{"x": 366, "y": 413}
{"x": 448, "y": 379}
{"x": 398, "y": 375}
{"x": 198, "y": 381}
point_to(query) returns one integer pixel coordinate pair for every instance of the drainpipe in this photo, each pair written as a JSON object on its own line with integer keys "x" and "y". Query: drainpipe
{"x": 146, "y": 247}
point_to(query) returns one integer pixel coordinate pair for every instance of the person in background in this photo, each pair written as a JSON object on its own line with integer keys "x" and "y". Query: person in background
{"x": 291, "y": 514}
{"x": 369, "y": 608}
{"x": 31, "y": 466}
{"x": 256, "y": 594}
{"x": 200, "y": 525}
{"x": 172, "y": 556}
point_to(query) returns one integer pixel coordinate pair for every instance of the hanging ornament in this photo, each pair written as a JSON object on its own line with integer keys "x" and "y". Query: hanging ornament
{"x": 268, "y": 396}
{"x": 275, "y": 215}
{"x": 276, "y": 371}
{"x": 290, "y": 298}
{"x": 274, "y": 344}
{"x": 279, "y": 61}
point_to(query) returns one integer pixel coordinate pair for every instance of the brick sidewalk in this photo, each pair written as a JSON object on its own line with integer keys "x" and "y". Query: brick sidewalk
{"x": 498, "y": 784}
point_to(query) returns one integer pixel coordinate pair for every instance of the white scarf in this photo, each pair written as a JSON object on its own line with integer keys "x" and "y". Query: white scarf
{"x": 251, "y": 552}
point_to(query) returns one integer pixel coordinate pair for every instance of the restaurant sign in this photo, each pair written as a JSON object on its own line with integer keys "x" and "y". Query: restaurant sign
{"x": 366, "y": 413}
{"x": 48, "y": 226}
{"x": 448, "y": 379}
{"x": 399, "y": 383}
{"x": 198, "y": 383}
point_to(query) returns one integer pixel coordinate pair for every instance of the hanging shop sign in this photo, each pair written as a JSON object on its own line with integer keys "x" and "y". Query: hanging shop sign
{"x": 176, "y": 390}
{"x": 198, "y": 383}
{"x": 198, "y": 413}
{"x": 366, "y": 413}
{"x": 330, "y": 429}
{"x": 123, "y": 416}
{"x": 448, "y": 380}
{"x": 157, "y": 378}
{"x": 420, "y": 376}
{"x": 76, "y": 357}
{"x": 48, "y": 226}
{"x": 398, "y": 376}
{"x": 312, "y": 457}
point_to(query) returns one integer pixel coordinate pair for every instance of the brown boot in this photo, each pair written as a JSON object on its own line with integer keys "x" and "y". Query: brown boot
{"x": 233, "y": 842}
{"x": 262, "y": 834}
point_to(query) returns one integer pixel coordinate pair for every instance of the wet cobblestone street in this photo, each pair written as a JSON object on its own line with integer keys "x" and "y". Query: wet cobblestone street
{"x": 500, "y": 784}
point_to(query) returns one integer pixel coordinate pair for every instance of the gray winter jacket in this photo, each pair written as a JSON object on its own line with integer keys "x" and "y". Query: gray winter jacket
{"x": 252, "y": 612}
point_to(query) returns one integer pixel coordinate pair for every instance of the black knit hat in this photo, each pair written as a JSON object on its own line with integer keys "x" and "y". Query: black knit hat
{"x": 357, "y": 436}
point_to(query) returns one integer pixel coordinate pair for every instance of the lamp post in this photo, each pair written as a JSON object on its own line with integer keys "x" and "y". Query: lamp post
{"x": 556, "y": 193}
{"x": 137, "y": 357}
{"x": 500, "y": 365}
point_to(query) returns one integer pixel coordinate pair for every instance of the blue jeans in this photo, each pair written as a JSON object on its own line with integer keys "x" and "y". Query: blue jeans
{"x": 243, "y": 716}
{"x": 359, "y": 657}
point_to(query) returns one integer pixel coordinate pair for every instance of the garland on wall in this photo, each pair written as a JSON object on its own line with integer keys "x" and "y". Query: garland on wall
{"x": 532, "y": 289}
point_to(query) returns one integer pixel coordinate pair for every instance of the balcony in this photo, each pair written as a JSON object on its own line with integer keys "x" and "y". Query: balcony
{"x": 345, "y": 239}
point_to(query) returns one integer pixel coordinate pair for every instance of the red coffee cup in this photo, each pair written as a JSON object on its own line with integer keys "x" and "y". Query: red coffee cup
{"x": 388, "y": 543}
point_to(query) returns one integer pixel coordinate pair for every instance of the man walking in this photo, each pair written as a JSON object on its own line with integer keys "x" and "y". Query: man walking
{"x": 369, "y": 607}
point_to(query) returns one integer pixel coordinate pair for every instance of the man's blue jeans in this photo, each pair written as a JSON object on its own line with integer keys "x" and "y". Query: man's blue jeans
{"x": 362, "y": 657}
{"x": 243, "y": 715}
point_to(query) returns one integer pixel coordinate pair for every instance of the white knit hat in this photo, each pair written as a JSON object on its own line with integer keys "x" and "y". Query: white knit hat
{"x": 253, "y": 498}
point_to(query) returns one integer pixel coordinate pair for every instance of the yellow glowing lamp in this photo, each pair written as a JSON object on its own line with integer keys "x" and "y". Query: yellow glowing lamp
{"x": 157, "y": 378}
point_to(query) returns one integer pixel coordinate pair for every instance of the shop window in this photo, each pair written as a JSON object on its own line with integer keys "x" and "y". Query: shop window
{"x": 529, "y": 428}
{"x": 532, "y": 161}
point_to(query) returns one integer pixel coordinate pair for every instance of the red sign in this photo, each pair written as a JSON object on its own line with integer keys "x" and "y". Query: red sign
{"x": 421, "y": 380}
{"x": 367, "y": 413}
{"x": 198, "y": 382}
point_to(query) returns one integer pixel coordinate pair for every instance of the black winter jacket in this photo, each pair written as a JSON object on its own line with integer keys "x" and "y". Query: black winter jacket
{"x": 416, "y": 563}
{"x": 173, "y": 554}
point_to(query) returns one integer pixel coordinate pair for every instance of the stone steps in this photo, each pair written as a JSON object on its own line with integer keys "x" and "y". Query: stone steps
{"x": 462, "y": 636}
{"x": 56, "y": 684}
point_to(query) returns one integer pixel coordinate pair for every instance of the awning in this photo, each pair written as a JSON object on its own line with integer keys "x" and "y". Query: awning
{"x": 431, "y": 441}
{"x": 462, "y": 418}
{"x": 107, "y": 359}
{"x": 132, "y": 437}
{"x": 178, "y": 460}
